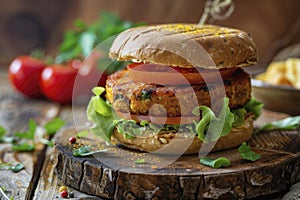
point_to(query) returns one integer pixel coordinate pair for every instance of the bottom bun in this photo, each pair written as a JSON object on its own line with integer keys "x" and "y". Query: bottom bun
{"x": 172, "y": 143}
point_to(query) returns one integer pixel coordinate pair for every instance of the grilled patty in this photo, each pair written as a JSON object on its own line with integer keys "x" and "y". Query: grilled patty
{"x": 126, "y": 95}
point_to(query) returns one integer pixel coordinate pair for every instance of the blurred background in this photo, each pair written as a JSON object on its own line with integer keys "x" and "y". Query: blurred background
{"x": 26, "y": 25}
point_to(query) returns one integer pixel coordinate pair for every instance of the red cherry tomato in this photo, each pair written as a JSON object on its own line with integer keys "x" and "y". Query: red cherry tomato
{"x": 24, "y": 74}
{"x": 57, "y": 82}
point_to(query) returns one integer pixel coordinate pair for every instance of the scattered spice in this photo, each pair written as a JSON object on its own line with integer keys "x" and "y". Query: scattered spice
{"x": 64, "y": 194}
{"x": 72, "y": 140}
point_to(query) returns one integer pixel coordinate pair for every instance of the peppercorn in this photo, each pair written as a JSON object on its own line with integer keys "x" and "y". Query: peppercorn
{"x": 72, "y": 140}
{"x": 64, "y": 194}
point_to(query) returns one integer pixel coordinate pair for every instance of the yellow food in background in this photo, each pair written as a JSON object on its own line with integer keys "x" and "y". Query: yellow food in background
{"x": 283, "y": 73}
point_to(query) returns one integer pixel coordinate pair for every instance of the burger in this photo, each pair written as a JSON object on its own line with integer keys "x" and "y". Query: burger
{"x": 183, "y": 91}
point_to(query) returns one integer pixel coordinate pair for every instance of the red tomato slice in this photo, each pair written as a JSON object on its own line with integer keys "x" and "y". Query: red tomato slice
{"x": 158, "y": 119}
{"x": 165, "y": 75}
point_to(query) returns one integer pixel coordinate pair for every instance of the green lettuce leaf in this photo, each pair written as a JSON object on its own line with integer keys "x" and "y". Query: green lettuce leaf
{"x": 254, "y": 106}
{"x": 239, "y": 116}
{"x": 289, "y": 123}
{"x": 215, "y": 163}
{"x": 210, "y": 128}
{"x": 247, "y": 154}
{"x": 100, "y": 113}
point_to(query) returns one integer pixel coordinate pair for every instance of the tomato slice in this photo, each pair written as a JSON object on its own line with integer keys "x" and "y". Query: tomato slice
{"x": 165, "y": 75}
{"x": 158, "y": 119}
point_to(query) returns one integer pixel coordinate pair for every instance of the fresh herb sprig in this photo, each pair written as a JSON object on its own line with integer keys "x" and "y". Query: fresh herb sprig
{"x": 25, "y": 141}
{"x": 80, "y": 42}
{"x": 87, "y": 151}
{"x": 11, "y": 166}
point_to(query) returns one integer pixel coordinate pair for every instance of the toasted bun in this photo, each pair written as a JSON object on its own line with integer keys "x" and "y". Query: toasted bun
{"x": 186, "y": 45}
{"x": 169, "y": 143}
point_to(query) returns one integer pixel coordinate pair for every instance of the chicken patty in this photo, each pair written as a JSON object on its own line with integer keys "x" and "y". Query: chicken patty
{"x": 126, "y": 95}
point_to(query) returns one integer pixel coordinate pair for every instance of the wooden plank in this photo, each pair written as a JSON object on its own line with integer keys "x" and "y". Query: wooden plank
{"x": 15, "y": 112}
{"x": 49, "y": 182}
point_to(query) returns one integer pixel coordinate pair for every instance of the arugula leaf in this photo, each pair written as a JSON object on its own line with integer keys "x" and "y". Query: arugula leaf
{"x": 254, "y": 106}
{"x": 215, "y": 163}
{"x": 247, "y": 154}
{"x": 24, "y": 146}
{"x": 86, "y": 151}
{"x": 54, "y": 125}
{"x": 30, "y": 133}
{"x": 211, "y": 128}
{"x": 289, "y": 123}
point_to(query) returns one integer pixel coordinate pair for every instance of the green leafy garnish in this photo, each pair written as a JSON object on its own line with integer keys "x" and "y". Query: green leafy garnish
{"x": 140, "y": 161}
{"x": 80, "y": 42}
{"x": 100, "y": 113}
{"x": 289, "y": 123}
{"x": 4, "y": 138}
{"x": 30, "y": 133}
{"x": 239, "y": 116}
{"x": 247, "y": 154}
{"x": 15, "y": 168}
{"x": 24, "y": 146}
{"x": 216, "y": 163}
{"x": 87, "y": 151}
{"x": 2, "y": 131}
{"x": 54, "y": 125}
{"x": 211, "y": 128}
{"x": 254, "y": 106}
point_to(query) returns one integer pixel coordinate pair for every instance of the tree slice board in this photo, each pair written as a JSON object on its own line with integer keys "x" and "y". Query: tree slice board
{"x": 115, "y": 175}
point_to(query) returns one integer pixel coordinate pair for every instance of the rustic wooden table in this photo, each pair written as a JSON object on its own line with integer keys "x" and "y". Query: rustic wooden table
{"x": 38, "y": 180}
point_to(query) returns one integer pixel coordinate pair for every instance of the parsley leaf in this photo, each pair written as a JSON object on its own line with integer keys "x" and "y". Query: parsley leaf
{"x": 54, "y": 125}
{"x": 247, "y": 154}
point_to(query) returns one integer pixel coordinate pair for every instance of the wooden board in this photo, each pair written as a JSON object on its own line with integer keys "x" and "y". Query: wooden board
{"x": 115, "y": 175}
